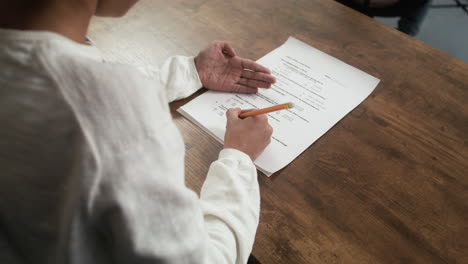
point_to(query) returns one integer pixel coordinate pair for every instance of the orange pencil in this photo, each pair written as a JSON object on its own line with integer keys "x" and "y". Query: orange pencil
{"x": 267, "y": 110}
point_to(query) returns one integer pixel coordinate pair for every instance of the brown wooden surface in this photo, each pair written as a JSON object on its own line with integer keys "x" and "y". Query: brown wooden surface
{"x": 387, "y": 184}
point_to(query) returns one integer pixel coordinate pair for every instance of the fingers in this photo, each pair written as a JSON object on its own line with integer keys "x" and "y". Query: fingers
{"x": 261, "y": 118}
{"x": 246, "y": 110}
{"x": 252, "y": 65}
{"x": 267, "y": 128}
{"x": 233, "y": 114}
{"x": 239, "y": 88}
{"x": 227, "y": 49}
{"x": 253, "y": 83}
{"x": 268, "y": 78}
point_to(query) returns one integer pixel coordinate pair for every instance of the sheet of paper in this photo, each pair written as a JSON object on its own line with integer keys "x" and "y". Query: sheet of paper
{"x": 322, "y": 88}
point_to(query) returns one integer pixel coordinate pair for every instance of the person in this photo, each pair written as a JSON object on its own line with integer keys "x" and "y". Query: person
{"x": 411, "y": 13}
{"x": 92, "y": 166}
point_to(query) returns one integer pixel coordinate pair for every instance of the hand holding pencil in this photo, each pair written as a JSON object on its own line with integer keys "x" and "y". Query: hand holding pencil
{"x": 250, "y": 135}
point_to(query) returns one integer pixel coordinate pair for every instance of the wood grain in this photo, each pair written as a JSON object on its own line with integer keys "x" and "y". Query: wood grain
{"x": 387, "y": 184}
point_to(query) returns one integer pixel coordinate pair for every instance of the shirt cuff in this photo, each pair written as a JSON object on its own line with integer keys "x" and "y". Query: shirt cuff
{"x": 234, "y": 153}
{"x": 244, "y": 162}
{"x": 196, "y": 84}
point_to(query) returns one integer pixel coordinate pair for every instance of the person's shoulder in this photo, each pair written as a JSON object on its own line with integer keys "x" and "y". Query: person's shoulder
{"x": 83, "y": 65}
{"x": 108, "y": 91}
{"x": 84, "y": 75}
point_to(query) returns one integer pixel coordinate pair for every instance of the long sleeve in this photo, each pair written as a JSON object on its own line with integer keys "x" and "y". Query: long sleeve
{"x": 138, "y": 196}
{"x": 98, "y": 164}
{"x": 231, "y": 203}
{"x": 178, "y": 76}
{"x": 152, "y": 219}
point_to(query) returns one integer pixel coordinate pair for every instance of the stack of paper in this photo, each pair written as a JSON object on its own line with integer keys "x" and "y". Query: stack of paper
{"x": 322, "y": 88}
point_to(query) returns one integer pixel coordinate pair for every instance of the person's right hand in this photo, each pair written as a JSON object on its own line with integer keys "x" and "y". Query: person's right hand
{"x": 250, "y": 135}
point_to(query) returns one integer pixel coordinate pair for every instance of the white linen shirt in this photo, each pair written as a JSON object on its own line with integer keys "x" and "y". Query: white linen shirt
{"x": 92, "y": 165}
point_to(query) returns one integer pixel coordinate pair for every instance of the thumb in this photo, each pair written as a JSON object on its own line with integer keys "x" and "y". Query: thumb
{"x": 233, "y": 114}
{"x": 227, "y": 49}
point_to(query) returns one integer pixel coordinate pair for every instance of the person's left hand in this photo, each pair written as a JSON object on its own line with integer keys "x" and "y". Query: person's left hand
{"x": 221, "y": 69}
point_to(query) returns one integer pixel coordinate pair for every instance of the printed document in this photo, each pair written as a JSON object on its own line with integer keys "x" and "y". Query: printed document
{"x": 322, "y": 88}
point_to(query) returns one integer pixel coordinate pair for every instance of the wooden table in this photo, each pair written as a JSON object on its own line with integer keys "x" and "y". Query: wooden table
{"x": 387, "y": 184}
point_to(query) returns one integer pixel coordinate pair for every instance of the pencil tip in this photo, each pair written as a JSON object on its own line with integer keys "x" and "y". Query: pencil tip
{"x": 290, "y": 105}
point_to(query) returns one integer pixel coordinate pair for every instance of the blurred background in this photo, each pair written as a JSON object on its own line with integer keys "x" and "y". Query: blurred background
{"x": 445, "y": 27}
{"x": 442, "y": 24}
